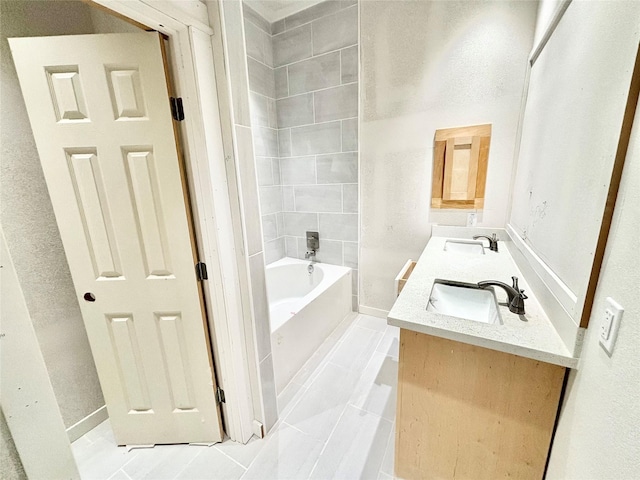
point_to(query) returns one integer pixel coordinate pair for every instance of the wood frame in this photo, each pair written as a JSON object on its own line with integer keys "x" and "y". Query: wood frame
{"x": 446, "y": 141}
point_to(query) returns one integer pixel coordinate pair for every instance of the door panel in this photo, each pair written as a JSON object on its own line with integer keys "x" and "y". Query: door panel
{"x": 100, "y": 114}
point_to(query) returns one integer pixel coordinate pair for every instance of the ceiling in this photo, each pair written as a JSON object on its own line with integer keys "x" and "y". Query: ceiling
{"x": 274, "y": 10}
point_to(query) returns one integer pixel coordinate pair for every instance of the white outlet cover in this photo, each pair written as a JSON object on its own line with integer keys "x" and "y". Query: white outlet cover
{"x": 610, "y": 324}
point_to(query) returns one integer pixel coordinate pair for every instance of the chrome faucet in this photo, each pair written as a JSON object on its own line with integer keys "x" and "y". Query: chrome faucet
{"x": 493, "y": 241}
{"x": 515, "y": 295}
{"x": 310, "y": 255}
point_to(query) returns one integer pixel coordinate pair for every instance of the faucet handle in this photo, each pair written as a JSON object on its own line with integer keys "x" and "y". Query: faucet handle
{"x": 517, "y": 288}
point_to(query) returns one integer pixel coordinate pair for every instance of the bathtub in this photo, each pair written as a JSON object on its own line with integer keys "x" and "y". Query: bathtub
{"x": 304, "y": 309}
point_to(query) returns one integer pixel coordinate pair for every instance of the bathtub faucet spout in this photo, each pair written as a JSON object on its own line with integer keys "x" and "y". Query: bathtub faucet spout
{"x": 310, "y": 255}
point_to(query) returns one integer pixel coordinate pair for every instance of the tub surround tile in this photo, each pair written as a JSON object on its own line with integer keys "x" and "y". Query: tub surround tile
{"x": 330, "y": 251}
{"x": 351, "y": 255}
{"x": 261, "y": 79}
{"x": 314, "y": 74}
{"x": 278, "y": 27}
{"x": 339, "y": 226}
{"x": 257, "y": 42}
{"x": 282, "y": 82}
{"x": 335, "y": 31}
{"x": 313, "y": 13}
{"x": 356, "y": 448}
{"x": 296, "y": 110}
{"x": 350, "y": 135}
{"x": 298, "y": 170}
{"x": 254, "y": 17}
{"x": 318, "y": 198}
{"x": 237, "y": 62}
{"x": 336, "y": 103}
{"x": 264, "y": 170}
{"x": 275, "y": 170}
{"x": 284, "y": 142}
{"x": 354, "y": 282}
{"x": 350, "y": 198}
{"x": 280, "y": 223}
{"x": 269, "y": 227}
{"x": 274, "y": 250}
{"x": 291, "y": 246}
{"x": 265, "y": 141}
{"x": 288, "y": 201}
{"x": 337, "y": 168}
{"x": 270, "y": 199}
{"x": 349, "y": 64}
{"x": 259, "y": 110}
{"x": 260, "y": 305}
{"x": 354, "y": 303}
{"x": 272, "y": 113}
{"x": 316, "y": 139}
{"x": 297, "y": 224}
{"x": 292, "y": 45}
{"x": 250, "y": 198}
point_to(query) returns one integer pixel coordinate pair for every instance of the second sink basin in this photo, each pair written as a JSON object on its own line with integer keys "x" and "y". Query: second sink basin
{"x": 464, "y": 300}
{"x": 470, "y": 247}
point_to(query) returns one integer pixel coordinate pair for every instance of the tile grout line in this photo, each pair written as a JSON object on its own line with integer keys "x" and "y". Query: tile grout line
{"x": 306, "y": 59}
{"x": 230, "y": 457}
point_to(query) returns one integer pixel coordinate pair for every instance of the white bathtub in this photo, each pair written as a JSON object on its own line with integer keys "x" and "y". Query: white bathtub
{"x": 305, "y": 308}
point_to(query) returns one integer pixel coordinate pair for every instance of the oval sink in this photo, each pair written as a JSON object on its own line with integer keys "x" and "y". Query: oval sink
{"x": 470, "y": 247}
{"x": 464, "y": 300}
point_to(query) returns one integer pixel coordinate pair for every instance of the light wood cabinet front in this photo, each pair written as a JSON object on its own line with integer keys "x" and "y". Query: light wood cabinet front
{"x": 466, "y": 412}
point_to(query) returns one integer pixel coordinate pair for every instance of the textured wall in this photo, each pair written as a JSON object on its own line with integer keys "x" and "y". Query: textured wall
{"x": 10, "y": 463}
{"x": 28, "y": 221}
{"x": 598, "y": 435}
{"x": 427, "y": 65}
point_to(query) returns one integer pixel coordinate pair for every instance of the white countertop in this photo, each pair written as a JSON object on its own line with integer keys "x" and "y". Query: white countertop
{"x": 531, "y": 335}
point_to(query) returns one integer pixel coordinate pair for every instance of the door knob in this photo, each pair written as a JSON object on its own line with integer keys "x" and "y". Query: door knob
{"x": 89, "y": 297}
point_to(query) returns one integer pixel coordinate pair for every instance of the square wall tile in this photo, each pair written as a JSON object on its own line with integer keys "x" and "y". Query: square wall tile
{"x": 350, "y": 198}
{"x": 349, "y": 64}
{"x": 336, "y": 103}
{"x": 297, "y": 224}
{"x": 261, "y": 78}
{"x": 269, "y": 227}
{"x": 335, "y": 31}
{"x": 292, "y": 45}
{"x": 339, "y": 226}
{"x": 350, "y": 135}
{"x": 314, "y": 74}
{"x": 316, "y": 139}
{"x": 318, "y": 198}
{"x": 337, "y": 168}
{"x": 296, "y": 110}
{"x": 298, "y": 170}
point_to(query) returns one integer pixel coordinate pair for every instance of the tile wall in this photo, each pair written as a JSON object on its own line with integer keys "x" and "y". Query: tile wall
{"x": 303, "y": 82}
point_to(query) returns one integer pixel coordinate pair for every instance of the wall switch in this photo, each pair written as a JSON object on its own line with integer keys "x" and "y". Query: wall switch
{"x": 610, "y": 324}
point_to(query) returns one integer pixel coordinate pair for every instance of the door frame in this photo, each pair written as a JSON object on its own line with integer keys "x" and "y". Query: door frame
{"x": 210, "y": 172}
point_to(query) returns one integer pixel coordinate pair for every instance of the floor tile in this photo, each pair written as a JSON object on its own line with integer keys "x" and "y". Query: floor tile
{"x": 320, "y": 407}
{"x": 390, "y": 343}
{"x": 374, "y": 323}
{"x": 376, "y": 388}
{"x": 211, "y": 464}
{"x": 356, "y": 447}
{"x": 288, "y": 454}
{"x": 389, "y": 455}
{"x": 244, "y": 454}
{"x": 102, "y": 459}
{"x": 161, "y": 462}
{"x": 356, "y": 348}
{"x": 120, "y": 475}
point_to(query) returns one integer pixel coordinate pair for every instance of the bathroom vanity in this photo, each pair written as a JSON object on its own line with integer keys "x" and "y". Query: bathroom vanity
{"x": 479, "y": 387}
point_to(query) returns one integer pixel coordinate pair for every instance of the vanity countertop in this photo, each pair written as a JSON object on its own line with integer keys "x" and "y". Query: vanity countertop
{"x": 531, "y": 335}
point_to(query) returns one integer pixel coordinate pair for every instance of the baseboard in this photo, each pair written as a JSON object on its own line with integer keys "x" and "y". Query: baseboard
{"x": 87, "y": 424}
{"x": 374, "y": 312}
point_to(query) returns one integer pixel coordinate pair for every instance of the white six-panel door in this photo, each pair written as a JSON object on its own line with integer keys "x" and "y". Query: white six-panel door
{"x": 100, "y": 114}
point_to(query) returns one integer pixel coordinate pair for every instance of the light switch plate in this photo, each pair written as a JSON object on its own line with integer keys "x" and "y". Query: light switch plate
{"x": 610, "y": 324}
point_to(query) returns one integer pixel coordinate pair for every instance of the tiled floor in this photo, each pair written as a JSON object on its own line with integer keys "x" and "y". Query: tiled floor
{"x": 336, "y": 421}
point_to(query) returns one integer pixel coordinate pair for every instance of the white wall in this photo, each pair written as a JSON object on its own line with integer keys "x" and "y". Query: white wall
{"x": 598, "y": 435}
{"x": 427, "y": 65}
{"x": 577, "y": 95}
{"x": 28, "y": 221}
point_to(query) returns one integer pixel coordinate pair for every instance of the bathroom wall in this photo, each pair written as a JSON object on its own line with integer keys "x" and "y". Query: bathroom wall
{"x": 29, "y": 223}
{"x": 568, "y": 142}
{"x": 597, "y": 435}
{"x": 427, "y": 65}
{"x": 303, "y": 80}
{"x": 10, "y": 463}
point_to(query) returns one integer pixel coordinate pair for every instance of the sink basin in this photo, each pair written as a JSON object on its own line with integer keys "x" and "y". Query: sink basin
{"x": 464, "y": 300}
{"x": 470, "y": 247}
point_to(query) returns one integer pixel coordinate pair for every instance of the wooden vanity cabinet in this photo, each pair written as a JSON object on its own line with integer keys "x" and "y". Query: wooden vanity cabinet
{"x": 467, "y": 412}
